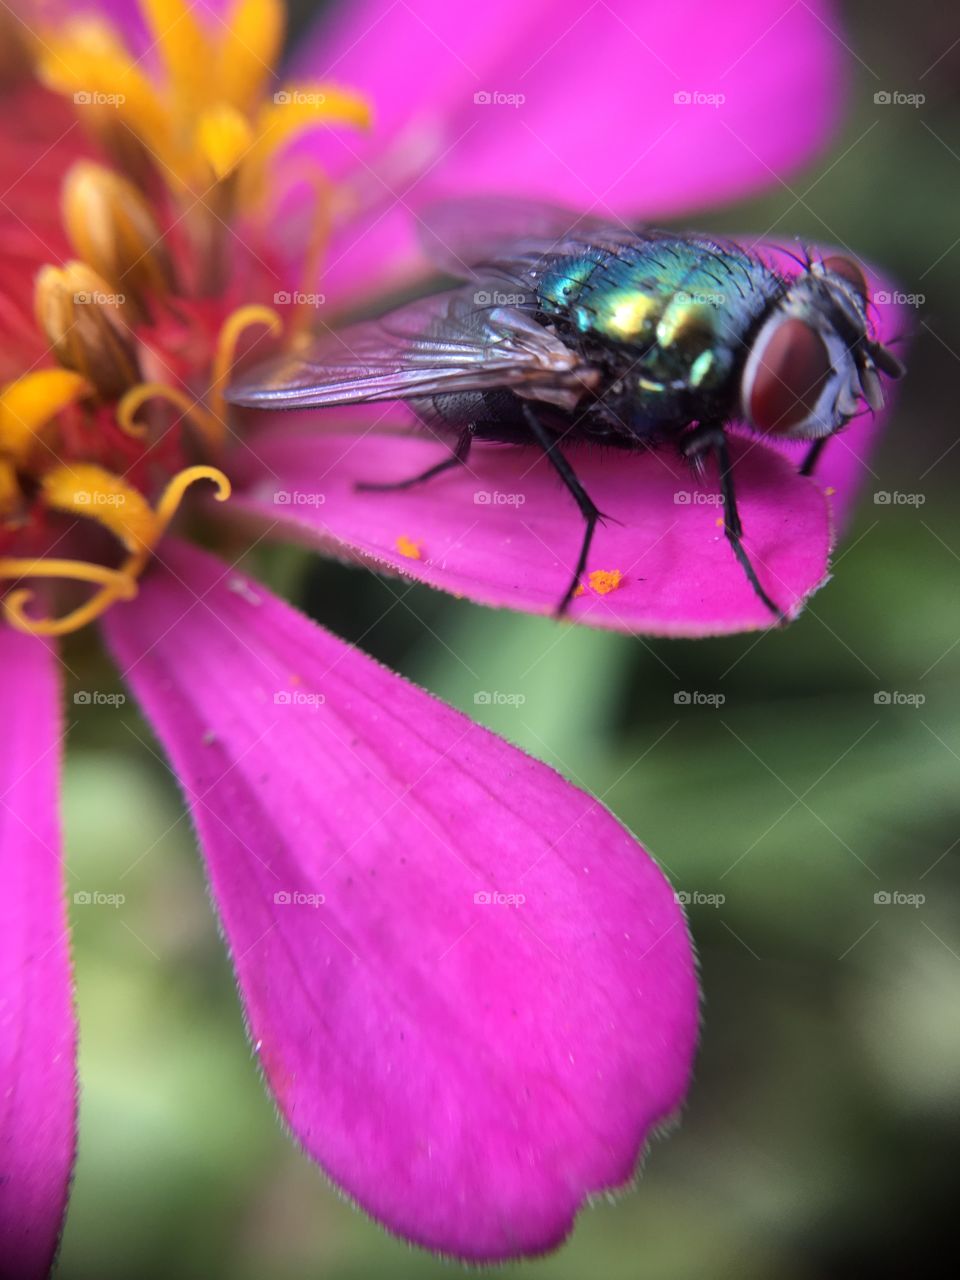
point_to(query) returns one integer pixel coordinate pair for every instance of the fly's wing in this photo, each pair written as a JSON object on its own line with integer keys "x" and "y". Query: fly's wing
{"x": 468, "y": 339}
{"x": 459, "y": 235}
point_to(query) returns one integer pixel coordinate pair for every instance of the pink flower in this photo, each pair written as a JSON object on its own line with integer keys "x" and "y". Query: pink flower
{"x": 471, "y": 991}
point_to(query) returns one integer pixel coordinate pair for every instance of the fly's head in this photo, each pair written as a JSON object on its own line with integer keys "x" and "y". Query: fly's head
{"x": 814, "y": 357}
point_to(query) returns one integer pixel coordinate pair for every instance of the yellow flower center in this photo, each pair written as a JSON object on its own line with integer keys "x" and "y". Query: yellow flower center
{"x": 139, "y": 318}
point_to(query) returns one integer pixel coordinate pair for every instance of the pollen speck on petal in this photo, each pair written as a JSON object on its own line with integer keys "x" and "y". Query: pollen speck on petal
{"x": 409, "y": 548}
{"x": 603, "y": 581}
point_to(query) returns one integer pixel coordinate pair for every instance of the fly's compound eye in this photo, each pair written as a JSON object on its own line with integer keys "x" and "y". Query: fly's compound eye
{"x": 850, "y": 271}
{"x": 784, "y": 377}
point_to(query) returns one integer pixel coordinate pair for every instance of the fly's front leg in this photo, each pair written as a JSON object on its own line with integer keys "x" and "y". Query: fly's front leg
{"x": 712, "y": 438}
{"x": 812, "y": 456}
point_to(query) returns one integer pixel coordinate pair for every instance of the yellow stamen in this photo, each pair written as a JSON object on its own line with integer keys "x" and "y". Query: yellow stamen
{"x": 84, "y": 59}
{"x": 184, "y": 47}
{"x": 232, "y": 328}
{"x": 112, "y": 227}
{"x": 132, "y": 402}
{"x": 249, "y": 50}
{"x": 84, "y": 489}
{"x": 31, "y": 402}
{"x": 224, "y": 137}
{"x": 121, "y": 584}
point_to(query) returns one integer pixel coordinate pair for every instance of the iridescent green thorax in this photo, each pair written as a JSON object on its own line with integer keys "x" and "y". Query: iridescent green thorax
{"x": 681, "y": 309}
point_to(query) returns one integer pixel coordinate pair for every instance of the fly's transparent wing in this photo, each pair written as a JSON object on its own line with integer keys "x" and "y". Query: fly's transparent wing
{"x": 459, "y": 235}
{"x": 469, "y": 339}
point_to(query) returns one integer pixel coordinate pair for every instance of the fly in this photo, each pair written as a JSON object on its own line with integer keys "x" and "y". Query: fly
{"x": 572, "y": 329}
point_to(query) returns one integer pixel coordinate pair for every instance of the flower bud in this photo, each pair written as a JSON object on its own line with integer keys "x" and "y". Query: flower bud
{"x": 112, "y": 227}
{"x": 88, "y": 327}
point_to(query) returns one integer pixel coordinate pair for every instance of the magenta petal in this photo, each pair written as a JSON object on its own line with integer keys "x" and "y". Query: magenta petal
{"x": 504, "y": 532}
{"x": 37, "y": 1028}
{"x": 614, "y": 106}
{"x": 468, "y": 1070}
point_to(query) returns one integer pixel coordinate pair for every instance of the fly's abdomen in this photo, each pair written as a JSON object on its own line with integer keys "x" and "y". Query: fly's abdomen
{"x": 668, "y": 316}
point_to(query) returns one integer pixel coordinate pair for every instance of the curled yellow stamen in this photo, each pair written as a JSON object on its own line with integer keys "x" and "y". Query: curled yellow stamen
{"x": 116, "y": 584}
{"x": 230, "y": 331}
{"x": 130, "y": 405}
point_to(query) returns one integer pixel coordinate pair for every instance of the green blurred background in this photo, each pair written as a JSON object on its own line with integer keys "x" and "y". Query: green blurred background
{"x": 821, "y": 1135}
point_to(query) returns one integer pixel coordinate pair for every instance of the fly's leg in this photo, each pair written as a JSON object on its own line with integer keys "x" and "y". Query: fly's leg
{"x": 457, "y": 458}
{"x": 713, "y": 438}
{"x": 550, "y": 445}
{"x": 812, "y": 456}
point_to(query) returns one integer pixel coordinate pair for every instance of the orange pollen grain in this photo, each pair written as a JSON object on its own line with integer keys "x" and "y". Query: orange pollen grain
{"x": 603, "y": 581}
{"x": 409, "y": 548}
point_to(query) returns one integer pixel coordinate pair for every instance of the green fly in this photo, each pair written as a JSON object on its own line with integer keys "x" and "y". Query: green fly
{"x": 573, "y": 328}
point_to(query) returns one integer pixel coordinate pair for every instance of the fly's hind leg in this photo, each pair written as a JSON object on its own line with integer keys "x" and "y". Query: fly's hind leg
{"x": 550, "y": 445}
{"x": 713, "y": 438}
{"x": 457, "y": 458}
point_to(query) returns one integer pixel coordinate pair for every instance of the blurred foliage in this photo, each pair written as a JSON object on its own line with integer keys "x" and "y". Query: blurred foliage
{"x": 822, "y": 1131}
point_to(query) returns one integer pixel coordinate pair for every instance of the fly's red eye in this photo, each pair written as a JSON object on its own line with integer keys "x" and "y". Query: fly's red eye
{"x": 789, "y": 377}
{"x": 850, "y": 271}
